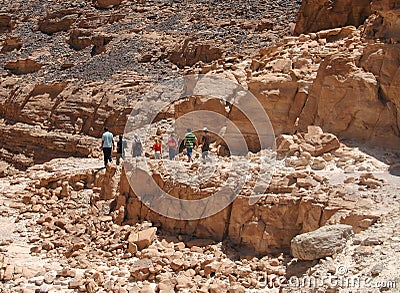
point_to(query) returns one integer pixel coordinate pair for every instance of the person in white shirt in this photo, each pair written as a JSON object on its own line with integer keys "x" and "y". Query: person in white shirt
{"x": 107, "y": 144}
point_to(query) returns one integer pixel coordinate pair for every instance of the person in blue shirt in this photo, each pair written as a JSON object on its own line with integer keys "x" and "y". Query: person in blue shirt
{"x": 107, "y": 144}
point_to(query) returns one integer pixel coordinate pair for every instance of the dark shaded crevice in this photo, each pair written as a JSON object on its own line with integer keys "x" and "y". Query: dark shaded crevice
{"x": 382, "y": 96}
{"x": 295, "y": 117}
{"x": 226, "y": 231}
{"x": 397, "y": 118}
{"x": 52, "y": 112}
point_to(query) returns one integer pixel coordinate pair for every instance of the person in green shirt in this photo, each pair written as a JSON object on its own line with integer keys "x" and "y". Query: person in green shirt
{"x": 190, "y": 142}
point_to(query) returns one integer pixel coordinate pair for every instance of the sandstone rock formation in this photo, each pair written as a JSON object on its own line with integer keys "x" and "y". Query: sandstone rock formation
{"x": 70, "y": 68}
{"x": 23, "y": 66}
{"x": 189, "y": 53}
{"x": 63, "y": 222}
{"x": 293, "y": 80}
{"x": 319, "y": 15}
{"x": 11, "y": 44}
{"x": 292, "y": 203}
{"x": 385, "y": 23}
{"x": 58, "y": 21}
{"x": 6, "y": 23}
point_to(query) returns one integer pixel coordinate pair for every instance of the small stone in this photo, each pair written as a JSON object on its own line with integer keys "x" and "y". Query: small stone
{"x": 237, "y": 288}
{"x": 66, "y": 272}
{"x": 8, "y": 273}
{"x": 371, "y": 241}
{"x": 79, "y": 185}
{"x": 49, "y": 277}
{"x": 144, "y": 238}
{"x": 47, "y": 245}
{"x": 75, "y": 283}
{"x": 44, "y": 288}
{"x": 377, "y": 269}
{"x": 274, "y": 262}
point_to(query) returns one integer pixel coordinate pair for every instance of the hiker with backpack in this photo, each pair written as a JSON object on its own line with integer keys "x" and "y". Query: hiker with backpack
{"x": 121, "y": 146}
{"x": 190, "y": 142}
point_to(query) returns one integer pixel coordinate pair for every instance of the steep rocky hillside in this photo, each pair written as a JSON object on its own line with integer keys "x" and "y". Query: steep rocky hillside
{"x": 326, "y": 72}
{"x": 69, "y": 67}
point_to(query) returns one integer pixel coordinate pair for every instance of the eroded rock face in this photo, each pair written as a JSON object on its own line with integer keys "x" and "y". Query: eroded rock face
{"x": 342, "y": 98}
{"x": 294, "y": 202}
{"x": 346, "y": 91}
{"x": 37, "y": 145}
{"x": 293, "y": 80}
{"x": 6, "y": 24}
{"x": 69, "y": 209}
{"x": 106, "y": 3}
{"x": 317, "y": 79}
{"x": 385, "y": 23}
{"x": 11, "y": 44}
{"x": 316, "y": 15}
{"x": 24, "y": 66}
{"x": 265, "y": 227}
{"x": 58, "y": 21}
{"x": 191, "y": 52}
{"x": 40, "y": 109}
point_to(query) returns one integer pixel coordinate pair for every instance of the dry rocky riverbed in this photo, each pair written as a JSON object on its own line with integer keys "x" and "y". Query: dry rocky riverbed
{"x": 58, "y": 234}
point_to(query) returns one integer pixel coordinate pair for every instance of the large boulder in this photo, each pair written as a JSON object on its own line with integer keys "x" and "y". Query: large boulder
{"x": 23, "y": 66}
{"x": 142, "y": 239}
{"x": 58, "y": 21}
{"x": 322, "y": 242}
{"x": 190, "y": 52}
{"x": 317, "y": 142}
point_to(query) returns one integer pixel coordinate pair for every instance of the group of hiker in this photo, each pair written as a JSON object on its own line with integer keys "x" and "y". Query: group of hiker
{"x": 190, "y": 141}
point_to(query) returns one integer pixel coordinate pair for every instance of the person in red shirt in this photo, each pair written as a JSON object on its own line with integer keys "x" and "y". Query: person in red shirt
{"x": 157, "y": 147}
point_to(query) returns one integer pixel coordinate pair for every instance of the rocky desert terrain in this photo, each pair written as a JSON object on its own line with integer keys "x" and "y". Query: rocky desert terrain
{"x": 321, "y": 216}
